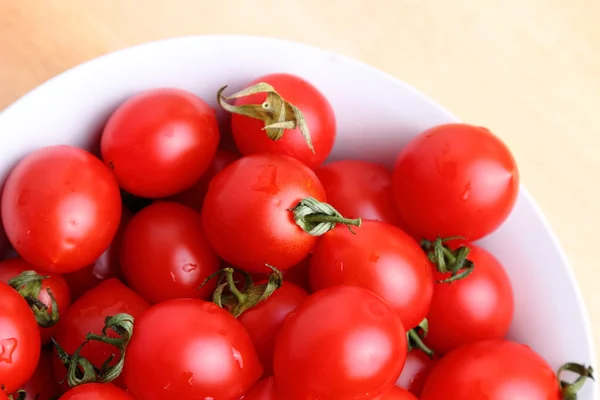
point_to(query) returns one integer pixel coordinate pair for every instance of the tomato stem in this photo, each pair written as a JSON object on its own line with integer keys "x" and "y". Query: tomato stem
{"x": 446, "y": 260}
{"x": 29, "y": 286}
{"x": 415, "y": 335}
{"x": 317, "y": 218}
{"x": 569, "y": 389}
{"x": 21, "y": 394}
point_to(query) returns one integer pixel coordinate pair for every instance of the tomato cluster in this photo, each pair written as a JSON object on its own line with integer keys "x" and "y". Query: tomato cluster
{"x": 168, "y": 269}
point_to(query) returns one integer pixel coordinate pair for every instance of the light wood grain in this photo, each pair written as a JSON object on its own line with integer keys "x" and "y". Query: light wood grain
{"x": 528, "y": 69}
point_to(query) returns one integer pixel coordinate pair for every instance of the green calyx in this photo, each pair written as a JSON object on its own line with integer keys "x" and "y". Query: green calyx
{"x": 276, "y": 113}
{"x": 454, "y": 262}
{"x": 569, "y": 390}
{"x": 317, "y": 218}
{"x": 414, "y": 338}
{"x": 29, "y": 285}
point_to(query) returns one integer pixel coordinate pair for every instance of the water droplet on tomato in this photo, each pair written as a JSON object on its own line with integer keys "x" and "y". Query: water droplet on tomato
{"x": 467, "y": 191}
{"x": 7, "y": 349}
{"x": 189, "y": 267}
{"x": 70, "y": 243}
{"x": 173, "y": 277}
{"x": 373, "y": 257}
{"x": 23, "y": 197}
{"x": 189, "y": 376}
{"x": 237, "y": 356}
{"x": 339, "y": 265}
{"x": 276, "y": 202}
{"x": 266, "y": 181}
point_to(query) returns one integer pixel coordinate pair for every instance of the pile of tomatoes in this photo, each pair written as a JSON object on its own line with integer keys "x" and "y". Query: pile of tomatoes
{"x": 182, "y": 264}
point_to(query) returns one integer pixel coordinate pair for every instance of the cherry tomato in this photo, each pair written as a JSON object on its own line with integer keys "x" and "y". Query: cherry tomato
{"x": 416, "y": 370}
{"x": 397, "y": 393}
{"x": 251, "y": 137}
{"x": 455, "y": 180}
{"x": 262, "y": 390}
{"x": 378, "y": 257}
{"x": 165, "y": 254}
{"x": 246, "y": 213}
{"x": 478, "y": 307}
{"x": 264, "y": 321}
{"x": 194, "y": 196}
{"x": 360, "y": 189}
{"x": 42, "y": 385}
{"x": 105, "y": 267}
{"x": 342, "y": 343}
{"x": 96, "y": 391}
{"x": 55, "y": 283}
{"x": 88, "y": 314}
{"x": 60, "y": 208}
{"x": 160, "y": 142}
{"x": 492, "y": 370}
{"x": 19, "y": 340}
{"x": 189, "y": 349}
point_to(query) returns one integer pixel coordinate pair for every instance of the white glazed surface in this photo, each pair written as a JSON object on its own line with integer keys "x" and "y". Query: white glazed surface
{"x": 376, "y": 114}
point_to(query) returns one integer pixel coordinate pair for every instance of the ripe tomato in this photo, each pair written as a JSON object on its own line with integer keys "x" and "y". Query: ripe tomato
{"x": 250, "y": 134}
{"x": 455, "y": 180}
{"x": 87, "y": 314}
{"x": 397, "y": 393}
{"x": 246, "y": 213}
{"x": 381, "y": 258}
{"x": 189, "y": 349}
{"x": 56, "y": 284}
{"x": 416, "y": 370}
{"x": 60, "y": 208}
{"x": 160, "y": 142}
{"x": 105, "y": 267}
{"x": 492, "y": 370}
{"x": 342, "y": 343}
{"x": 262, "y": 390}
{"x": 19, "y": 340}
{"x": 165, "y": 254}
{"x": 360, "y": 189}
{"x": 194, "y": 196}
{"x": 264, "y": 321}
{"x": 42, "y": 385}
{"x": 478, "y": 307}
{"x": 96, "y": 391}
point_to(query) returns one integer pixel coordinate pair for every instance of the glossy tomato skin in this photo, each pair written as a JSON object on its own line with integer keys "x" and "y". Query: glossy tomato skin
{"x": 262, "y": 390}
{"x": 397, "y": 393}
{"x": 96, "y": 391}
{"x": 360, "y": 189}
{"x": 60, "y": 208}
{"x": 492, "y": 370}
{"x": 87, "y": 314}
{"x": 342, "y": 343}
{"x": 19, "y": 340}
{"x": 378, "y": 257}
{"x": 188, "y": 349}
{"x": 264, "y": 321}
{"x": 160, "y": 142}
{"x": 165, "y": 254}
{"x": 246, "y": 213}
{"x": 105, "y": 267}
{"x": 250, "y": 137}
{"x": 42, "y": 385}
{"x": 455, "y": 180}
{"x": 194, "y": 196}
{"x": 479, "y": 307}
{"x": 416, "y": 370}
{"x": 57, "y": 285}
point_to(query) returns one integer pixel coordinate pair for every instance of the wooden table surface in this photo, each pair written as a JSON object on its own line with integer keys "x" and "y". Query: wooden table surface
{"x": 529, "y": 70}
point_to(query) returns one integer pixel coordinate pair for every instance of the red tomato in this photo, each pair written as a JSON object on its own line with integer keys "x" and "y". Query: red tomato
{"x": 381, "y": 258}
{"x": 397, "y": 393}
{"x": 19, "y": 340}
{"x": 189, "y": 349}
{"x": 247, "y": 217}
{"x": 60, "y": 208}
{"x": 455, "y": 180}
{"x": 87, "y": 315}
{"x": 251, "y": 137}
{"x": 492, "y": 370}
{"x": 342, "y": 343}
{"x": 478, "y": 307}
{"x": 360, "y": 189}
{"x": 262, "y": 390}
{"x": 416, "y": 370}
{"x": 56, "y": 284}
{"x": 194, "y": 196}
{"x": 96, "y": 391}
{"x": 105, "y": 267}
{"x": 42, "y": 385}
{"x": 264, "y": 321}
{"x": 165, "y": 254}
{"x": 160, "y": 142}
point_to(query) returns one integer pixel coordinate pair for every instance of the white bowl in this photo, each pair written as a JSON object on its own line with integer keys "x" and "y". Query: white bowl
{"x": 377, "y": 114}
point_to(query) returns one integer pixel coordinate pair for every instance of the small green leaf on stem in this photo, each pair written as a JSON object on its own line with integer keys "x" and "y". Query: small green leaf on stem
{"x": 29, "y": 286}
{"x": 569, "y": 390}
{"x": 414, "y": 338}
{"x": 317, "y": 218}
{"x": 454, "y": 262}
